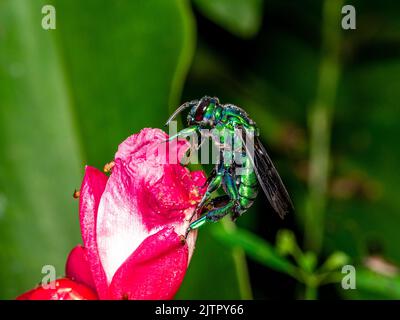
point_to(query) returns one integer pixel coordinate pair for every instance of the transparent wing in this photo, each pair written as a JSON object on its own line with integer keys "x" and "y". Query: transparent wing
{"x": 268, "y": 177}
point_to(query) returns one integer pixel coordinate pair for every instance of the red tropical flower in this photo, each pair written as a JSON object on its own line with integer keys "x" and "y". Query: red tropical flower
{"x": 132, "y": 222}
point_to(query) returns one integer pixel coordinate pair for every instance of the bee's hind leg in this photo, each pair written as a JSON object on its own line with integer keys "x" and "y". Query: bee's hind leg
{"x": 215, "y": 181}
{"x": 214, "y": 210}
{"x": 221, "y": 205}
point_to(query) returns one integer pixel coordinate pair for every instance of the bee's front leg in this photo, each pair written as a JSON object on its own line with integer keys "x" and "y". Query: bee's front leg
{"x": 184, "y": 133}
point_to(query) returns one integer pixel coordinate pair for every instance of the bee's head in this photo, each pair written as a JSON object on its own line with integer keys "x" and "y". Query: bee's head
{"x": 201, "y": 111}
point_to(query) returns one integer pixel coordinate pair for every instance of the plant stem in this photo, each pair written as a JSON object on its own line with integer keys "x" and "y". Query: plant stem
{"x": 239, "y": 259}
{"x": 310, "y": 292}
{"x": 320, "y": 115}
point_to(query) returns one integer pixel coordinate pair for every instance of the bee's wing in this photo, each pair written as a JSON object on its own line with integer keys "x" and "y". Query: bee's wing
{"x": 268, "y": 177}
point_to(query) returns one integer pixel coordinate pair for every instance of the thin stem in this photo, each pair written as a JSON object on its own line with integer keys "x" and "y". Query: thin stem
{"x": 320, "y": 115}
{"x": 239, "y": 259}
{"x": 310, "y": 292}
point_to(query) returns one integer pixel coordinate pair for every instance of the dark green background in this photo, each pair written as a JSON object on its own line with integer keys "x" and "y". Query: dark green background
{"x": 69, "y": 96}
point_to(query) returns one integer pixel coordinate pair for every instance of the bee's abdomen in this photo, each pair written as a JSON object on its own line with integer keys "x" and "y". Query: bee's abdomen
{"x": 247, "y": 185}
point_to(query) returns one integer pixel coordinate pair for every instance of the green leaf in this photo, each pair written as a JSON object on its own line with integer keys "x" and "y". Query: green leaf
{"x": 372, "y": 284}
{"x": 124, "y": 70}
{"x": 41, "y": 159}
{"x": 242, "y": 18}
{"x": 256, "y": 248}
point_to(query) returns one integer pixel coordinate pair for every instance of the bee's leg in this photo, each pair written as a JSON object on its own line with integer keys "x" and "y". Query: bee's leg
{"x": 212, "y": 205}
{"x": 218, "y": 213}
{"x": 184, "y": 133}
{"x": 196, "y": 147}
{"x": 212, "y": 215}
{"x": 217, "y": 202}
{"x": 214, "y": 184}
{"x": 210, "y": 178}
{"x": 236, "y": 212}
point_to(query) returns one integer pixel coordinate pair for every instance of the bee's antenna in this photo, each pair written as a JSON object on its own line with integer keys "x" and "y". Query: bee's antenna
{"x": 179, "y": 110}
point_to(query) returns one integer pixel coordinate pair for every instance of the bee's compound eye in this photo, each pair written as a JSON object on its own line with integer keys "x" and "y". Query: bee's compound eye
{"x": 201, "y": 109}
{"x": 214, "y": 101}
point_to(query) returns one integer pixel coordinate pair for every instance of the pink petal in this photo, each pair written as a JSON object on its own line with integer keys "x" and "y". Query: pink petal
{"x": 64, "y": 289}
{"x": 78, "y": 268}
{"x": 92, "y": 188}
{"x": 144, "y": 194}
{"x": 154, "y": 271}
{"x": 199, "y": 179}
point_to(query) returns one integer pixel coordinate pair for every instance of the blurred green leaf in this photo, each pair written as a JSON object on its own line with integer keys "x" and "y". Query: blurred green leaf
{"x": 41, "y": 159}
{"x": 369, "y": 282}
{"x": 124, "y": 70}
{"x": 215, "y": 270}
{"x": 242, "y": 18}
{"x": 255, "y": 247}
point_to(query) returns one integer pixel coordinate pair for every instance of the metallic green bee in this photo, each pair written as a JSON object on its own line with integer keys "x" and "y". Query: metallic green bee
{"x": 255, "y": 166}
